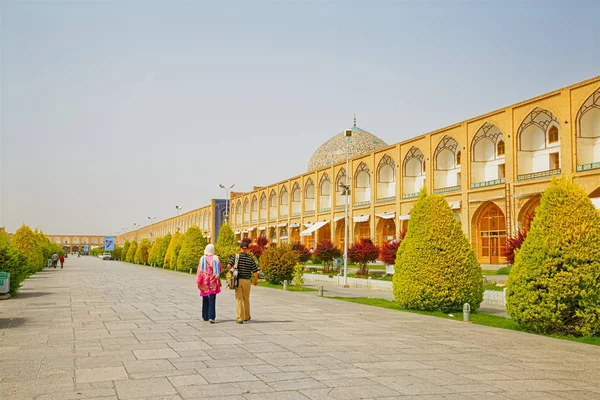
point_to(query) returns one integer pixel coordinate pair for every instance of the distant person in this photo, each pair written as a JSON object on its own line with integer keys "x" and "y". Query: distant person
{"x": 209, "y": 282}
{"x": 62, "y": 261}
{"x": 247, "y": 268}
{"x": 54, "y": 260}
{"x": 49, "y": 263}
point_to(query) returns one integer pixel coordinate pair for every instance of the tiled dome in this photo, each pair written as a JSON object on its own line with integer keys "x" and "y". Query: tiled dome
{"x": 333, "y": 151}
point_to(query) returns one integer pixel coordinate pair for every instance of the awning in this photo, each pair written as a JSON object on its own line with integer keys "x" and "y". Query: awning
{"x": 596, "y": 202}
{"x": 251, "y": 229}
{"x": 455, "y": 205}
{"x": 307, "y": 225}
{"x": 313, "y": 228}
{"x": 403, "y": 217}
{"x": 336, "y": 219}
{"x": 294, "y": 225}
{"x": 362, "y": 218}
{"x": 282, "y": 225}
{"x": 387, "y": 215}
{"x": 262, "y": 228}
{"x": 237, "y": 232}
{"x": 244, "y": 231}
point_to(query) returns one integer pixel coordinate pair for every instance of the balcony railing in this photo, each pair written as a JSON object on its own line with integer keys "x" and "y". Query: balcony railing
{"x": 538, "y": 175}
{"x": 447, "y": 189}
{"x": 341, "y": 207}
{"x": 311, "y": 212}
{"x": 296, "y": 214}
{"x": 491, "y": 182}
{"x": 262, "y": 219}
{"x": 410, "y": 195}
{"x": 588, "y": 167}
{"x": 384, "y": 200}
{"x": 254, "y": 220}
{"x": 362, "y": 203}
{"x": 326, "y": 209}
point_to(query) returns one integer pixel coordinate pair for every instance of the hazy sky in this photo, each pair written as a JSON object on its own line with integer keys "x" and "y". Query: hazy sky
{"x": 115, "y": 111}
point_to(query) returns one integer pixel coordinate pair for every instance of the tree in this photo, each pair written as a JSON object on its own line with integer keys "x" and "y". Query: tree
{"x": 362, "y": 253}
{"x": 325, "y": 253}
{"x": 277, "y": 263}
{"x": 436, "y": 268}
{"x": 141, "y": 253}
{"x": 26, "y": 242}
{"x": 154, "y": 253}
{"x": 303, "y": 253}
{"x": 192, "y": 248}
{"x": 554, "y": 283}
{"x": 131, "y": 252}
{"x": 164, "y": 245}
{"x": 257, "y": 248}
{"x": 226, "y": 245}
{"x": 513, "y": 244}
{"x": 126, "y": 247}
{"x": 117, "y": 253}
{"x": 176, "y": 250}
{"x": 12, "y": 261}
{"x": 170, "y": 251}
{"x": 388, "y": 252}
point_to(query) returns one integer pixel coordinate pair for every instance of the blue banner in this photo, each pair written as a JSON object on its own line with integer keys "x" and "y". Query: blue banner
{"x": 85, "y": 248}
{"x": 109, "y": 243}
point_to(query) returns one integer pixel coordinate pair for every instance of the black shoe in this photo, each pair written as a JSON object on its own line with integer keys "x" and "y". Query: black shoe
{"x": 239, "y": 322}
{"x": 212, "y": 321}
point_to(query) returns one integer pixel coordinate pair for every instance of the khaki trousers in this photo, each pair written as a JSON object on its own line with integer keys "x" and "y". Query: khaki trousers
{"x": 242, "y": 300}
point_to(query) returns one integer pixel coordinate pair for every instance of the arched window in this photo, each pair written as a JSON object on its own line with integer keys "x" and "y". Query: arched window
{"x": 325, "y": 193}
{"x": 487, "y": 156}
{"x": 246, "y": 214}
{"x": 362, "y": 185}
{"x": 254, "y": 212}
{"x": 296, "y": 200}
{"x": 536, "y": 152}
{"x": 386, "y": 178}
{"x": 588, "y": 132}
{"x": 500, "y": 148}
{"x": 238, "y": 214}
{"x": 446, "y": 166}
{"x": 553, "y": 134}
{"x": 273, "y": 205}
{"x": 340, "y": 194}
{"x": 263, "y": 207}
{"x": 414, "y": 173}
{"x": 309, "y": 195}
{"x": 283, "y": 202}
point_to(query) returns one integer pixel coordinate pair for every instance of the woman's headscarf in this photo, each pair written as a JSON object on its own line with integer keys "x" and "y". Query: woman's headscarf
{"x": 209, "y": 250}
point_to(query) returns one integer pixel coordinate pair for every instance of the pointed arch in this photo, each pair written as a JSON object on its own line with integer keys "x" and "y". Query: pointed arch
{"x": 414, "y": 173}
{"x": 238, "y": 214}
{"x": 489, "y": 225}
{"x": 324, "y": 193}
{"x": 362, "y": 185}
{"x": 446, "y": 164}
{"x": 273, "y": 205}
{"x": 538, "y": 156}
{"x": 340, "y": 181}
{"x": 246, "y": 212}
{"x": 588, "y": 133}
{"x": 487, "y": 156}
{"x": 296, "y": 199}
{"x": 309, "y": 196}
{"x": 284, "y": 202}
{"x": 386, "y": 179}
{"x": 263, "y": 207}
{"x": 254, "y": 209}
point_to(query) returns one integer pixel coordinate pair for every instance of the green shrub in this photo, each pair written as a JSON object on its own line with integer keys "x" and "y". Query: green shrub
{"x": 117, "y": 252}
{"x": 226, "y": 245}
{"x": 176, "y": 250}
{"x": 298, "y": 276}
{"x": 131, "y": 252}
{"x": 170, "y": 251}
{"x": 164, "y": 245}
{"x": 503, "y": 271}
{"x": 125, "y": 250}
{"x": 154, "y": 253}
{"x": 277, "y": 263}
{"x": 554, "y": 284}
{"x": 13, "y": 262}
{"x": 436, "y": 268}
{"x": 192, "y": 248}
{"x": 141, "y": 253}
{"x": 26, "y": 242}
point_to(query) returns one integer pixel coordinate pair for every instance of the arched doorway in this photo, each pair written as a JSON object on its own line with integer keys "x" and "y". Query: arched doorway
{"x": 324, "y": 233}
{"x": 75, "y": 249}
{"x": 491, "y": 235}
{"x": 386, "y": 229}
{"x": 295, "y": 235}
{"x": 528, "y": 213}
{"x": 362, "y": 230}
{"x": 339, "y": 233}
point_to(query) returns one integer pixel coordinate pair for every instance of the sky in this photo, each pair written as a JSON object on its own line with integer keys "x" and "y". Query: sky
{"x": 115, "y": 111}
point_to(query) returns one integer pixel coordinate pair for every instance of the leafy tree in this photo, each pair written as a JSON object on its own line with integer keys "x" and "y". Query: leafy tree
{"x": 170, "y": 251}
{"x": 277, "y": 263}
{"x": 554, "y": 283}
{"x": 362, "y": 253}
{"x": 388, "y": 252}
{"x": 126, "y": 247}
{"x": 436, "y": 268}
{"x": 131, "y": 252}
{"x": 326, "y": 252}
{"x": 164, "y": 245}
{"x": 117, "y": 252}
{"x": 141, "y": 253}
{"x": 513, "y": 244}
{"x": 259, "y": 247}
{"x": 154, "y": 253}
{"x": 303, "y": 253}
{"x": 26, "y": 242}
{"x": 13, "y": 262}
{"x": 176, "y": 250}
{"x": 192, "y": 248}
{"x": 226, "y": 245}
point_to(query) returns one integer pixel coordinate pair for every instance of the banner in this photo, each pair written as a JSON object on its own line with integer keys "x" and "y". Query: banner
{"x": 109, "y": 243}
{"x": 85, "y": 248}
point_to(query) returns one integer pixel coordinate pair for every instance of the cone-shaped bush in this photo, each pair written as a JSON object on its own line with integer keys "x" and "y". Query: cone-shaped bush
{"x": 131, "y": 252}
{"x": 277, "y": 263}
{"x": 26, "y": 241}
{"x": 141, "y": 254}
{"x": 125, "y": 250}
{"x": 192, "y": 248}
{"x": 554, "y": 284}
{"x": 436, "y": 268}
{"x": 226, "y": 245}
{"x": 154, "y": 253}
{"x": 164, "y": 245}
{"x": 171, "y": 251}
{"x": 13, "y": 262}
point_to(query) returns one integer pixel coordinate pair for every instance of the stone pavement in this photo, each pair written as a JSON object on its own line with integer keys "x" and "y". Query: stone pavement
{"x": 109, "y": 330}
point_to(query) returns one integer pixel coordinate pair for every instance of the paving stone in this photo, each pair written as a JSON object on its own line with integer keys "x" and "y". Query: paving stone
{"x": 100, "y": 374}
{"x": 155, "y": 354}
{"x": 187, "y": 380}
{"x": 230, "y": 374}
{"x": 142, "y": 388}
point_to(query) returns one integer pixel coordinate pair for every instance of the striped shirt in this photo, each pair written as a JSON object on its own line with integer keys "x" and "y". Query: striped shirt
{"x": 246, "y": 265}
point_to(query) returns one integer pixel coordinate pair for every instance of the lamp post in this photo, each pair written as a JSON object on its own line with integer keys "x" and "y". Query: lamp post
{"x": 226, "y": 199}
{"x": 177, "y": 220}
{"x": 348, "y": 133}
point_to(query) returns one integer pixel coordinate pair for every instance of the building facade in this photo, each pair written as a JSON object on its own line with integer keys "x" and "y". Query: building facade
{"x": 77, "y": 243}
{"x": 492, "y": 170}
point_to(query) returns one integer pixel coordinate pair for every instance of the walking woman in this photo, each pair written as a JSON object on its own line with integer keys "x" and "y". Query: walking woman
{"x": 209, "y": 282}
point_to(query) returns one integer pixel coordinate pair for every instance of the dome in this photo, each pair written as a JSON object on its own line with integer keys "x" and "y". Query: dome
{"x": 333, "y": 151}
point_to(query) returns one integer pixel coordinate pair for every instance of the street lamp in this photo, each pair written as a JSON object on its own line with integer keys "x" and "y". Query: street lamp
{"x": 346, "y": 191}
{"x": 178, "y": 209}
{"x": 226, "y": 199}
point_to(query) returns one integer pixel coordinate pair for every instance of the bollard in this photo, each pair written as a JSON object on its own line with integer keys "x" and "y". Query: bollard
{"x": 321, "y": 291}
{"x": 467, "y": 312}
{"x": 313, "y": 276}
{"x": 369, "y": 283}
{"x": 190, "y": 270}
{"x": 285, "y": 285}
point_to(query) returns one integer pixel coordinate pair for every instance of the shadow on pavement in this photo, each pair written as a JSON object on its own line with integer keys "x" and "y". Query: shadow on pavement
{"x": 6, "y": 323}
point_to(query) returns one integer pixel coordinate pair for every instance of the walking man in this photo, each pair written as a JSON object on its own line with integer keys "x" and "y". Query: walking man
{"x": 54, "y": 260}
{"x": 247, "y": 269}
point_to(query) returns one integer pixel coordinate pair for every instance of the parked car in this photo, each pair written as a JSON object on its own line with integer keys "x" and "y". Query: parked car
{"x": 105, "y": 256}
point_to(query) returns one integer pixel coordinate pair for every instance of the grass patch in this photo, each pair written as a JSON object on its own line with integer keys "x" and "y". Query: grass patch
{"x": 493, "y": 286}
{"x": 291, "y": 288}
{"x": 492, "y": 272}
{"x": 476, "y": 317}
